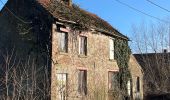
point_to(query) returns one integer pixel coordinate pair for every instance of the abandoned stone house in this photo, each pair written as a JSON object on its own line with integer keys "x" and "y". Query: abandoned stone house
{"x": 136, "y": 86}
{"x": 156, "y": 67}
{"x": 72, "y": 48}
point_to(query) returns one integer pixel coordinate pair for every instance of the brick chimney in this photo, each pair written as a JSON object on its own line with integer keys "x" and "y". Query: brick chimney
{"x": 165, "y": 50}
{"x": 44, "y": 2}
{"x": 70, "y": 3}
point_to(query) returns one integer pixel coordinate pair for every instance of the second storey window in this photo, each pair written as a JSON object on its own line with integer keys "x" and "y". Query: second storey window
{"x": 111, "y": 48}
{"x": 63, "y": 42}
{"x": 62, "y": 85}
{"x": 83, "y": 45}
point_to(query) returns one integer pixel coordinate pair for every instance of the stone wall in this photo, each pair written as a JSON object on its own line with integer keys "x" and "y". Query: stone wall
{"x": 136, "y": 71}
{"x": 97, "y": 64}
{"x": 31, "y": 38}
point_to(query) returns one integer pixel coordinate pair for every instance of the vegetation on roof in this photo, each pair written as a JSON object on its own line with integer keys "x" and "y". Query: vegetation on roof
{"x": 83, "y": 18}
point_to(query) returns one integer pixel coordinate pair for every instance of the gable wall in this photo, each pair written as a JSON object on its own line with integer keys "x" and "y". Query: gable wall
{"x": 136, "y": 71}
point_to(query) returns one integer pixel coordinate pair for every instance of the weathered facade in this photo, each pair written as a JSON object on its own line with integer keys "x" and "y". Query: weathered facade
{"x": 71, "y": 48}
{"x": 136, "y": 86}
{"x": 96, "y": 63}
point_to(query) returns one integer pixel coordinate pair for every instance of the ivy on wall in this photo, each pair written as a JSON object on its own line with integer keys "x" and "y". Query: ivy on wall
{"x": 122, "y": 55}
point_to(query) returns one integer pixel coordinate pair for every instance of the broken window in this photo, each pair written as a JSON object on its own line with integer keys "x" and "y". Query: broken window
{"x": 82, "y": 82}
{"x": 63, "y": 41}
{"x": 83, "y": 45}
{"x": 138, "y": 84}
{"x": 112, "y": 81}
{"x": 111, "y": 48}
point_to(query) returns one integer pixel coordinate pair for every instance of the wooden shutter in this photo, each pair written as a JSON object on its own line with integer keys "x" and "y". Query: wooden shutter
{"x": 82, "y": 82}
{"x": 85, "y": 82}
{"x": 111, "y": 49}
{"x": 85, "y": 45}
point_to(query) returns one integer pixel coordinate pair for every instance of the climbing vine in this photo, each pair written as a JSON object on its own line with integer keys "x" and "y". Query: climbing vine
{"x": 122, "y": 54}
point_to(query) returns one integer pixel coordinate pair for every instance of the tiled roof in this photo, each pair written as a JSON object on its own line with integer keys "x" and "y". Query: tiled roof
{"x": 80, "y": 16}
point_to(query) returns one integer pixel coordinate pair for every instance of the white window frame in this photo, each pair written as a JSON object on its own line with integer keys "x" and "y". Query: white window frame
{"x": 65, "y": 47}
{"x": 85, "y": 46}
{"x": 129, "y": 87}
{"x": 111, "y": 48}
{"x": 62, "y": 79}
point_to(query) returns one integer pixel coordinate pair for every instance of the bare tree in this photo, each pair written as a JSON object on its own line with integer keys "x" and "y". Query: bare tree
{"x": 151, "y": 42}
{"x": 23, "y": 79}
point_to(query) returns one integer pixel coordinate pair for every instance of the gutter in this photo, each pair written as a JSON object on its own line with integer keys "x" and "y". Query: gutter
{"x": 97, "y": 29}
{"x": 110, "y": 33}
{"x": 67, "y": 21}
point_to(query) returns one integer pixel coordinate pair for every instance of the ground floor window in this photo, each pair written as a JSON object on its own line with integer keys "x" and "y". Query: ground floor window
{"x": 129, "y": 87}
{"x": 138, "y": 84}
{"x": 82, "y": 82}
{"x": 62, "y": 85}
{"x": 112, "y": 80}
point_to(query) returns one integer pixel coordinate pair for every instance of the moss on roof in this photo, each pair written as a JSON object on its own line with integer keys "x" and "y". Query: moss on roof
{"x": 80, "y": 16}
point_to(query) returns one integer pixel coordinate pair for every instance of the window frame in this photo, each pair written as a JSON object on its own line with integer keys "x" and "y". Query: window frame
{"x": 82, "y": 82}
{"x": 60, "y": 84}
{"x": 129, "y": 89}
{"x": 84, "y": 43}
{"x": 112, "y": 80}
{"x": 111, "y": 48}
{"x": 138, "y": 84}
{"x": 62, "y": 48}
